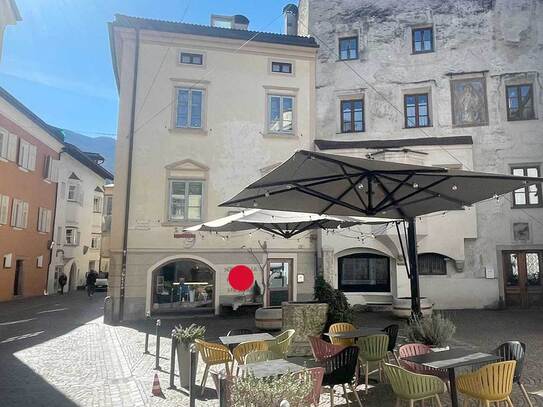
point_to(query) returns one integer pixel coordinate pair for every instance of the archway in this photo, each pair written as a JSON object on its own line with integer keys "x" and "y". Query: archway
{"x": 72, "y": 277}
{"x": 182, "y": 285}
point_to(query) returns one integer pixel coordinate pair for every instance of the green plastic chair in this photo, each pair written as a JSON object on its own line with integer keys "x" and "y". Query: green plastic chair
{"x": 281, "y": 344}
{"x": 373, "y": 348}
{"x": 411, "y": 387}
{"x": 259, "y": 356}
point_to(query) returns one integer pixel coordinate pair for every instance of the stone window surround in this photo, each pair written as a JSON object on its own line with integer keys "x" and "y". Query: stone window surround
{"x": 353, "y": 94}
{"x": 537, "y": 165}
{"x": 280, "y": 91}
{"x": 180, "y": 51}
{"x": 412, "y": 38}
{"x": 520, "y": 78}
{"x": 416, "y": 91}
{"x": 346, "y": 34}
{"x": 284, "y": 61}
{"x": 178, "y": 83}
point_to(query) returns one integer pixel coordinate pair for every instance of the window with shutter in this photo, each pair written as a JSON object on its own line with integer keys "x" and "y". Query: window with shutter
{"x": 39, "y": 262}
{"x": 4, "y": 209}
{"x": 12, "y": 147}
{"x": 25, "y": 215}
{"x": 4, "y": 136}
{"x": 19, "y": 214}
{"x": 32, "y": 152}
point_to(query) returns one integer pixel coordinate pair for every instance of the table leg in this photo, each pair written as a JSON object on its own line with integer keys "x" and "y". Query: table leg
{"x": 452, "y": 382}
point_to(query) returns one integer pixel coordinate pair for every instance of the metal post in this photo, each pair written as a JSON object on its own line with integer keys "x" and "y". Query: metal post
{"x": 147, "y": 318}
{"x": 413, "y": 267}
{"x": 192, "y": 373}
{"x": 157, "y": 350}
{"x": 222, "y": 387}
{"x": 172, "y": 360}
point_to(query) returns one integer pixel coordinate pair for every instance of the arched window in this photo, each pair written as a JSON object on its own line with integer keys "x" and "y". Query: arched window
{"x": 431, "y": 264}
{"x": 364, "y": 272}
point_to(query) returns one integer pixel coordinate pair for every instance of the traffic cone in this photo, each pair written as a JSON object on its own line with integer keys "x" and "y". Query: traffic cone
{"x": 157, "y": 391}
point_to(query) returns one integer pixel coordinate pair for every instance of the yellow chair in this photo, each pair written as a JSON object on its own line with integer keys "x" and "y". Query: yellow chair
{"x": 373, "y": 348}
{"x": 244, "y": 348}
{"x": 213, "y": 354}
{"x": 490, "y": 384}
{"x": 339, "y": 328}
{"x": 259, "y": 356}
{"x": 281, "y": 344}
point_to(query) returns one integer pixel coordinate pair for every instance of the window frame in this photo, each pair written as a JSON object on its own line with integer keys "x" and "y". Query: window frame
{"x": 44, "y": 220}
{"x": 4, "y": 144}
{"x": 186, "y": 218}
{"x": 362, "y": 287}
{"x": 525, "y": 168}
{"x": 518, "y": 86}
{"x": 191, "y": 55}
{"x": 349, "y": 38}
{"x": 422, "y": 271}
{"x": 190, "y": 90}
{"x": 281, "y": 64}
{"x": 75, "y": 231}
{"x": 19, "y": 213}
{"x": 96, "y": 239}
{"x": 417, "y": 115}
{"x": 422, "y": 29}
{"x": 352, "y": 120}
{"x": 97, "y": 208}
{"x": 269, "y": 122}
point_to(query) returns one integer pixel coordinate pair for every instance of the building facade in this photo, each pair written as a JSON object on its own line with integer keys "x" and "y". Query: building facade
{"x": 105, "y": 246}
{"x": 78, "y": 218}
{"x": 29, "y": 154}
{"x": 444, "y": 83}
{"x": 204, "y": 110}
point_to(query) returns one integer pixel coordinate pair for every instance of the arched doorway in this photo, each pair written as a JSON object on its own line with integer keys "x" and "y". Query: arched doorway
{"x": 183, "y": 285}
{"x": 73, "y": 277}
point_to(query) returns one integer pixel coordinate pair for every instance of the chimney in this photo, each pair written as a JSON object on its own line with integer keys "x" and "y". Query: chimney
{"x": 290, "y": 11}
{"x": 240, "y": 22}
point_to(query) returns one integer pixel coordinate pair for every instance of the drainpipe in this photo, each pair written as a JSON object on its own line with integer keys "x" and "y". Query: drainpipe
{"x": 129, "y": 177}
{"x": 53, "y": 244}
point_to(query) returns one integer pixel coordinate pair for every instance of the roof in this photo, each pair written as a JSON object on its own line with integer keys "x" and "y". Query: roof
{"x": 421, "y": 141}
{"x": 53, "y": 131}
{"x": 197, "y": 29}
{"x": 15, "y": 10}
{"x": 86, "y": 161}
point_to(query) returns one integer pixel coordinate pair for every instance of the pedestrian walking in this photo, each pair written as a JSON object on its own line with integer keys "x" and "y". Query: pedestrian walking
{"x": 62, "y": 280}
{"x": 91, "y": 282}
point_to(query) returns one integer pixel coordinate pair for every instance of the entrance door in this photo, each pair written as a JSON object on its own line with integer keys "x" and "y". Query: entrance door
{"x": 280, "y": 280}
{"x": 522, "y": 277}
{"x": 18, "y": 280}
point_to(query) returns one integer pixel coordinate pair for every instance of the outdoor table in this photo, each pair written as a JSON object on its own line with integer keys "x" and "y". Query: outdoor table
{"x": 357, "y": 333}
{"x": 273, "y": 367}
{"x": 451, "y": 359}
{"x": 237, "y": 339}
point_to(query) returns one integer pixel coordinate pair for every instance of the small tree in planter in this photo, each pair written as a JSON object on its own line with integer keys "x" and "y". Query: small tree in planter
{"x": 339, "y": 309}
{"x": 434, "y": 331}
{"x": 265, "y": 277}
{"x": 185, "y": 338}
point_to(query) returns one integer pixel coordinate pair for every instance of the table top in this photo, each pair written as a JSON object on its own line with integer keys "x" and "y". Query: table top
{"x": 452, "y": 358}
{"x": 357, "y": 333}
{"x": 235, "y": 339}
{"x": 274, "y": 367}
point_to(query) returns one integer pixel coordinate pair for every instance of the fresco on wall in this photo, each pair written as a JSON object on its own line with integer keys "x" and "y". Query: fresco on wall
{"x": 469, "y": 105}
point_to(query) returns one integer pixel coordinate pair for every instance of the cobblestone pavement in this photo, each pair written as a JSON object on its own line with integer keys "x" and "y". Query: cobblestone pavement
{"x": 56, "y": 351}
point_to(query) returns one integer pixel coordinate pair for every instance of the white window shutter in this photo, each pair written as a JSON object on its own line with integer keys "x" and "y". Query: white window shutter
{"x": 23, "y": 154}
{"x": 48, "y": 221}
{"x": 32, "y": 151}
{"x": 39, "y": 262}
{"x": 25, "y": 215}
{"x": 4, "y": 209}
{"x": 4, "y": 138}
{"x": 14, "y": 212}
{"x": 77, "y": 237}
{"x": 81, "y": 195}
{"x": 40, "y": 219}
{"x": 7, "y": 260}
{"x": 54, "y": 167}
{"x": 63, "y": 190}
{"x": 12, "y": 147}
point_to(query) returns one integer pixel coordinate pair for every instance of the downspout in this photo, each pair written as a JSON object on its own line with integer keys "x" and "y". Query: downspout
{"x": 129, "y": 177}
{"x": 53, "y": 244}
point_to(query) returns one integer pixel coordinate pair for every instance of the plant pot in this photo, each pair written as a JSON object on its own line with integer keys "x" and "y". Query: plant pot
{"x": 439, "y": 349}
{"x": 307, "y": 319}
{"x": 183, "y": 362}
{"x": 269, "y": 318}
{"x": 401, "y": 307}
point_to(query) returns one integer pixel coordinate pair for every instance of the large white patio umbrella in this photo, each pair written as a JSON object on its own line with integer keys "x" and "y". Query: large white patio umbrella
{"x": 348, "y": 186}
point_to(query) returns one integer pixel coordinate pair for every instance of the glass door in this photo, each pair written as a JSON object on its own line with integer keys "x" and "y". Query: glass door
{"x": 280, "y": 274}
{"x": 522, "y": 278}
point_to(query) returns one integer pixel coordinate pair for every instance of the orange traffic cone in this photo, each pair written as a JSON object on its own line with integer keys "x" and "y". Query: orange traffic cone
{"x": 157, "y": 391}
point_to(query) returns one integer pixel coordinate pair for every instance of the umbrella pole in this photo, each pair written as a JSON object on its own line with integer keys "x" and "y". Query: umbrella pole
{"x": 413, "y": 267}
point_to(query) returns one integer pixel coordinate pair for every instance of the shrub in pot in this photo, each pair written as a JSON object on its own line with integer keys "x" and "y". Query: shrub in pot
{"x": 435, "y": 331}
{"x": 185, "y": 338}
{"x": 339, "y": 309}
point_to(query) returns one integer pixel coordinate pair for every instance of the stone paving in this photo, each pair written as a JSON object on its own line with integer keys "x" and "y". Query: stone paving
{"x": 56, "y": 351}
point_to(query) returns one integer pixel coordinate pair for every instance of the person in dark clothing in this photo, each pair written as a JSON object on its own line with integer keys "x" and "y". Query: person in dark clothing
{"x": 91, "y": 282}
{"x": 62, "y": 280}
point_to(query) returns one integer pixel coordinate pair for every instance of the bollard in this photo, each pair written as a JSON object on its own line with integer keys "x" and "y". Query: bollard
{"x": 222, "y": 389}
{"x": 192, "y": 370}
{"x": 157, "y": 351}
{"x": 147, "y": 318}
{"x": 172, "y": 361}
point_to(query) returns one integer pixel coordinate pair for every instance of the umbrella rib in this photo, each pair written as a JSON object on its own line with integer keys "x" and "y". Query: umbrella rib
{"x": 353, "y": 186}
{"x": 358, "y": 181}
{"x": 399, "y": 209}
{"x": 391, "y": 194}
{"x": 325, "y": 197}
{"x": 321, "y": 179}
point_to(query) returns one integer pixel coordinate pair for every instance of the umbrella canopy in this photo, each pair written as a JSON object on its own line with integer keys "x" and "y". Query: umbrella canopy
{"x": 285, "y": 224}
{"x": 348, "y": 186}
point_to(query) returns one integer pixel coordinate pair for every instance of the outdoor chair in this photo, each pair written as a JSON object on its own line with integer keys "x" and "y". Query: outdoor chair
{"x": 244, "y": 348}
{"x": 213, "y": 354}
{"x": 322, "y": 349}
{"x": 338, "y": 328}
{"x": 392, "y": 332}
{"x": 240, "y": 331}
{"x": 259, "y": 356}
{"x": 415, "y": 349}
{"x": 281, "y": 343}
{"x": 515, "y": 350}
{"x": 490, "y": 384}
{"x": 340, "y": 369}
{"x": 373, "y": 348}
{"x": 412, "y": 387}
{"x": 317, "y": 374}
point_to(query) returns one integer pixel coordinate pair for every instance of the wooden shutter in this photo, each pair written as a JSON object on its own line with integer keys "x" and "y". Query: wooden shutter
{"x": 54, "y": 170}
{"x": 4, "y": 136}
{"x": 25, "y": 215}
{"x": 48, "y": 220}
{"x": 32, "y": 151}
{"x": 14, "y": 212}
{"x": 12, "y": 147}
{"x": 39, "y": 262}
{"x": 4, "y": 209}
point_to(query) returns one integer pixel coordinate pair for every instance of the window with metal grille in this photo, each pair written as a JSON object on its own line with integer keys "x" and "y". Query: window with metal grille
{"x": 281, "y": 67}
{"x": 432, "y": 264}
{"x": 191, "y": 59}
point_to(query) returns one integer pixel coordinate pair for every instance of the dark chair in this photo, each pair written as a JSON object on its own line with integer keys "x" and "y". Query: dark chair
{"x": 341, "y": 369}
{"x": 392, "y": 332}
{"x": 241, "y": 331}
{"x": 515, "y": 350}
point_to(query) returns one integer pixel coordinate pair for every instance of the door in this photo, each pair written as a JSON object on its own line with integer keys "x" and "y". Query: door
{"x": 280, "y": 280}
{"x": 18, "y": 280}
{"x": 522, "y": 278}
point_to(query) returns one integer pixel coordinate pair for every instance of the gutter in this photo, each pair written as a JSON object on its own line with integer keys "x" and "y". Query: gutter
{"x": 129, "y": 176}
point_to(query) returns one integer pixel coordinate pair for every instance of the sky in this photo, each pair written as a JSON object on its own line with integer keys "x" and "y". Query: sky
{"x": 57, "y": 60}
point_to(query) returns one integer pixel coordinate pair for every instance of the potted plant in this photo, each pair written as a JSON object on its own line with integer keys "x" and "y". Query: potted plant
{"x": 257, "y": 293}
{"x": 185, "y": 338}
{"x": 434, "y": 331}
{"x": 339, "y": 309}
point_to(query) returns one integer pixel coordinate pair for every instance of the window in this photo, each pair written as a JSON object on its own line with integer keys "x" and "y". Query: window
{"x": 352, "y": 116}
{"x": 44, "y": 220}
{"x": 7, "y": 260}
{"x": 4, "y": 138}
{"x": 12, "y": 143}
{"x": 416, "y": 110}
{"x": 364, "y": 272}
{"x": 191, "y": 59}
{"x": 189, "y": 108}
{"x": 19, "y": 214}
{"x": 528, "y": 195}
{"x": 73, "y": 192}
{"x": 222, "y": 21}
{"x": 97, "y": 204}
{"x": 71, "y": 236}
{"x": 27, "y": 155}
{"x": 39, "y": 262}
{"x": 185, "y": 200}
{"x": 432, "y": 264}
{"x": 4, "y": 209}
{"x": 95, "y": 242}
{"x": 520, "y": 102}
{"x": 280, "y": 113}
{"x": 281, "y": 67}
{"x": 108, "y": 205}
{"x": 423, "y": 40}
{"x": 348, "y": 48}
{"x": 50, "y": 169}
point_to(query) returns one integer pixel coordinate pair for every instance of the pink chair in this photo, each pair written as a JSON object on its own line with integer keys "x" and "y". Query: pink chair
{"x": 322, "y": 349}
{"x": 317, "y": 373}
{"x": 414, "y": 349}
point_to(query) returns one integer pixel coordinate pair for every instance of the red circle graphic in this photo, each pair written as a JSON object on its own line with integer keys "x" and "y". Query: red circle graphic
{"x": 241, "y": 278}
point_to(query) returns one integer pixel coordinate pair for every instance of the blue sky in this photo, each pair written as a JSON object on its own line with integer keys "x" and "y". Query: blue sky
{"x": 57, "y": 59}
